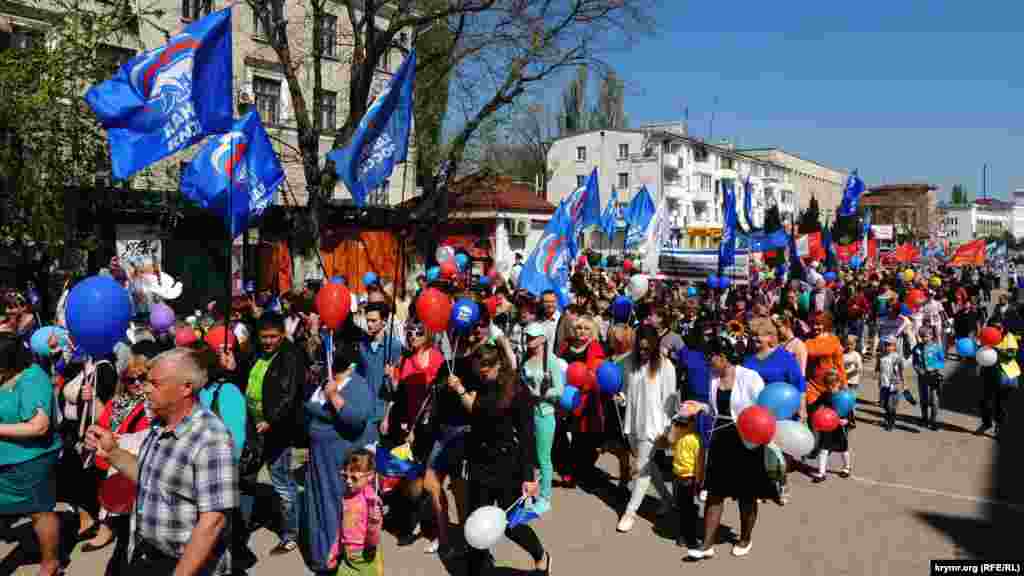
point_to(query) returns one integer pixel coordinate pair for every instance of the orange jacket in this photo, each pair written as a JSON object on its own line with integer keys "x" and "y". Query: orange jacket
{"x": 824, "y": 353}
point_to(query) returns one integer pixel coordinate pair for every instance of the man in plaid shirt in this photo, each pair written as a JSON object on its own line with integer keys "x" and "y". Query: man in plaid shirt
{"x": 186, "y": 476}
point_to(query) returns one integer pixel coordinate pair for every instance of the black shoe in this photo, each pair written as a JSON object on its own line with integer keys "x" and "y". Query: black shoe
{"x": 909, "y": 398}
{"x": 546, "y": 571}
{"x": 982, "y": 429}
{"x": 934, "y": 427}
{"x": 407, "y": 539}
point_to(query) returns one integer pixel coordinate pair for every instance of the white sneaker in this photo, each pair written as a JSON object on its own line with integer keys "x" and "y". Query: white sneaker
{"x": 742, "y": 550}
{"x": 626, "y": 522}
{"x": 700, "y": 553}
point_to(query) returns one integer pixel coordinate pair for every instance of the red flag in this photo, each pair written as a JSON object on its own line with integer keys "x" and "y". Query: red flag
{"x": 845, "y": 253}
{"x": 906, "y": 253}
{"x": 970, "y": 254}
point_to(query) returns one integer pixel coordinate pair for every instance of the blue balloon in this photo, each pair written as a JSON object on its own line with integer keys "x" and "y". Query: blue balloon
{"x": 338, "y": 280}
{"x": 905, "y": 310}
{"x": 724, "y": 282}
{"x": 856, "y": 262}
{"x": 40, "y": 340}
{"x": 712, "y": 281}
{"x": 433, "y": 273}
{"x": 966, "y": 348}
{"x": 781, "y": 398}
{"x": 1008, "y": 381}
{"x": 570, "y": 398}
{"x": 465, "y": 314}
{"x": 830, "y": 276}
{"x": 609, "y": 377}
{"x": 369, "y": 279}
{"x": 98, "y": 312}
{"x": 485, "y": 280}
{"x": 622, "y": 308}
{"x": 461, "y": 261}
{"x": 691, "y": 291}
{"x": 843, "y": 402}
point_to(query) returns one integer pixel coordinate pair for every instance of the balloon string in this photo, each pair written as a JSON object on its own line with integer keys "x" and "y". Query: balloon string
{"x": 516, "y": 503}
{"x": 330, "y": 357}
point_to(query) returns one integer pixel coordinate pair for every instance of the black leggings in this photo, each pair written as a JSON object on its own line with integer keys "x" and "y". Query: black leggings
{"x": 502, "y": 495}
{"x": 120, "y": 525}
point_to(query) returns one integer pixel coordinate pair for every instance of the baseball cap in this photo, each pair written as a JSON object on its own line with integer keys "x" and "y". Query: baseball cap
{"x": 534, "y": 329}
{"x": 681, "y": 418}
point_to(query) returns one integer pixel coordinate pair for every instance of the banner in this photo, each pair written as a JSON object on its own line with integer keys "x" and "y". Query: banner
{"x": 882, "y": 231}
{"x": 140, "y": 253}
{"x": 970, "y": 254}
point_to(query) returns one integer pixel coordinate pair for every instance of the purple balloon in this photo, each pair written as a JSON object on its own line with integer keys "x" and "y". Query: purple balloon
{"x": 161, "y": 317}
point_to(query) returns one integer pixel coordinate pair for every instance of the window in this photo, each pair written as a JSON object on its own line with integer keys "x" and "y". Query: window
{"x": 194, "y": 9}
{"x": 581, "y": 180}
{"x": 726, "y": 163}
{"x": 268, "y": 99}
{"x": 581, "y": 153}
{"x": 623, "y": 151}
{"x": 110, "y": 59}
{"x": 276, "y": 15}
{"x": 327, "y": 111}
{"x": 706, "y": 184}
{"x": 328, "y": 34}
{"x": 666, "y": 147}
{"x": 623, "y": 180}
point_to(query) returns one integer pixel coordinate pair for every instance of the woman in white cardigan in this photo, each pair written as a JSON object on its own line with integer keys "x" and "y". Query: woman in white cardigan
{"x": 651, "y": 400}
{"x": 735, "y": 469}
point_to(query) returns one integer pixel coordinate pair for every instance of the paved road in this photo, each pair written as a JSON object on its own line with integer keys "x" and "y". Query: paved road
{"x": 915, "y": 495}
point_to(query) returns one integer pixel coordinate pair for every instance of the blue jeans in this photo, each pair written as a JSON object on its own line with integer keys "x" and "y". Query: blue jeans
{"x": 284, "y": 485}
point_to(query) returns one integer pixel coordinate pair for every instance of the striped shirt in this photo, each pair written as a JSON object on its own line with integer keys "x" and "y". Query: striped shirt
{"x": 184, "y": 472}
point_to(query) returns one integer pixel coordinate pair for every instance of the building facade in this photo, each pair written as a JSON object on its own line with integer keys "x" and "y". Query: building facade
{"x": 1017, "y": 226}
{"x": 982, "y": 218}
{"x": 912, "y": 209}
{"x": 809, "y": 179}
{"x": 685, "y": 172}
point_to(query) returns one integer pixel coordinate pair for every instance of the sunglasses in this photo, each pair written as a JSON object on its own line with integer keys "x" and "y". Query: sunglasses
{"x": 134, "y": 379}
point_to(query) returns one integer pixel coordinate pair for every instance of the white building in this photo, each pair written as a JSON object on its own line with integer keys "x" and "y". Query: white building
{"x": 1017, "y": 228}
{"x": 686, "y": 172}
{"x": 982, "y": 218}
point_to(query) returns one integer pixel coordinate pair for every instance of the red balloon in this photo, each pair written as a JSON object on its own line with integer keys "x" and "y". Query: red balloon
{"x": 916, "y": 297}
{"x": 333, "y": 304}
{"x": 579, "y": 376}
{"x": 448, "y": 269}
{"x": 492, "y": 305}
{"x": 825, "y": 420}
{"x": 990, "y": 336}
{"x": 756, "y": 425}
{"x": 433, "y": 308}
{"x": 627, "y": 265}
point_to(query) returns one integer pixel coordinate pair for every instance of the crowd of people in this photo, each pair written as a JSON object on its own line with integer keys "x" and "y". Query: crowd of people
{"x": 158, "y": 447}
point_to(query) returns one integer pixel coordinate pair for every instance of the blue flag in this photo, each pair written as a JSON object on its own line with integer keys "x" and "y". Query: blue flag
{"x": 830, "y": 253}
{"x": 387, "y": 464}
{"x": 547, "y": 268}
{"x": 382, "y": 138}
{"x": 748, "y": 205}
{"x": 521, "y": 513}
{"x": 763, "y": 242}
{"x": 854, "y": 188}
{"x": 585, "y": 205}
{"x": 727, "y": 246}
{"x": 610, "y": 218}
{"x": 240, "y": 165}
{"x": 167, "y": 99}
{"x": 638, "y": 217}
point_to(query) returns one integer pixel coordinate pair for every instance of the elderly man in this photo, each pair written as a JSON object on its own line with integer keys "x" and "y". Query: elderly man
{"x": 186, "y": 476}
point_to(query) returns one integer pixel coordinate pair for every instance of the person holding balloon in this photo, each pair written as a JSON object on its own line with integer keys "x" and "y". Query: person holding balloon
{"x": 833, "y": 434}
{"x": 543, "y": 375}
{"x": 588, "y": 418}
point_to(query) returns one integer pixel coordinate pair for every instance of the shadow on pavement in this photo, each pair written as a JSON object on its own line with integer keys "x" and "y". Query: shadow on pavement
{"x": 962, "y": 390}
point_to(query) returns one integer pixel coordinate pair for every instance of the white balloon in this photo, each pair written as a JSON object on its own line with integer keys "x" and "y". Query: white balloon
{"x": 484, "y": 527}
{"x": 986, "y": 357}
{"x": 794, "y": 438}
{"x": 444, "y": 254}
{"x": 638, "y": 286}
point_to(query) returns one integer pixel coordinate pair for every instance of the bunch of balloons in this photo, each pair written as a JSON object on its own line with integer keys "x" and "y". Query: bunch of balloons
{"x": 966, "y": 348}
{"x": 770, "y": 421}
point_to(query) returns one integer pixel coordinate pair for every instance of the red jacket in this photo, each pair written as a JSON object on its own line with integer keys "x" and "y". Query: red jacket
{"x": 137, "y": 421}
{"x": 590, "y": 412}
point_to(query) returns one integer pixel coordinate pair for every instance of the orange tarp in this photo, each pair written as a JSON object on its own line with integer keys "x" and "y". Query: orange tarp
{"x": 352, "y": 253}
{"x": 275, "y": 262}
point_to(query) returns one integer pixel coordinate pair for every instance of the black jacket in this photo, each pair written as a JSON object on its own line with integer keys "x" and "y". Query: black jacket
{"x": 282, "y": 394}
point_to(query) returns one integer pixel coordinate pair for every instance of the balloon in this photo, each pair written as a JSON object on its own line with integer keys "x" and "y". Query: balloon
{"x": 485, "y": 281}
{"x": 987, "y": 357}
{"x": 433, "y": 273}
{"x": 856, "y": 262}
{"x": 905, "y": 310}
{"x": 844, "y": 402}
{"x": 337, "y": 280}
{"x": 627, "y": 265}
{"x": 99, "y": 312}
{"x": 579, "y": 376}
{"x": 448, "y": 269}
{"x": 908, "y": 275}
{"x": 756, "y": 425}
{"x": 215, "y": 338}
{"x": 444, "y": 254}
{"x": 990, "y": 336}
{"x": 464, "y": 315}
{"x": 804, "y": 301}
{"x": 638, "y": 286}
{"x": 622, "y": 308}
{"x": 333, "y": 304}
{"x": 691, "y": 291}
{"x": 609, "y": 378}
{"x": 1008, "y": 381}
{"x": 793, "y": 438}
{"x": 724, "y": 282}
{"x": 40, "y": 341}
{"x": 830, "y": 276}
{"x": 935, "y": 282}
{"x": 185, "y": 336}
{"x": 433, "y": 308}
{"x": 825, "y": 420}
{"x": 712, "y": 281}
{"x": 161, "y": 317}
{"x": 966, "y": 348}
{"x": 570, "y": 399}
{"x": 461, "y": 261}
{"x": 781, "y": 398}
{"x": 485, "y": 526}
{"x": 916, "y": 297}
{"x": 370, "y": 279}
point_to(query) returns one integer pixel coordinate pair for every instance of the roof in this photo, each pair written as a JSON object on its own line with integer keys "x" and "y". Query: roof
{"x": 788, "y": 153}
{"x": 717, "y": 148}
{"x": 498, "y": 194}
{"x": 916, "y": 186}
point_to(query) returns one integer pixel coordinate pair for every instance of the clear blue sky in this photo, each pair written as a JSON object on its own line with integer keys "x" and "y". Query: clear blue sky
{"x": 901, "y": 90}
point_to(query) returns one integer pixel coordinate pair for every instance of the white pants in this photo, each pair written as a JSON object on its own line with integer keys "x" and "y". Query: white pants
{"x": 643, "y": 452}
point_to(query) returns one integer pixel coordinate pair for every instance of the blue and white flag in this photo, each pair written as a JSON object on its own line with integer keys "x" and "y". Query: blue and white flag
{"x": 548, "y": 266}
{"x": 610, "y": 217}
{"x": 585, "y": 205}
{"x": 765, "y": 242}
{"x": 865, "y": 233}
{"x": 382, "y": 138}
{"x": 638, "y": 217}
{"x": 727, "y": 246}
{"x": 167, "y": 99}
{"x": 851, "y": 196}
{"x": 748, "y": 205}
{"x": 241, "y": 166}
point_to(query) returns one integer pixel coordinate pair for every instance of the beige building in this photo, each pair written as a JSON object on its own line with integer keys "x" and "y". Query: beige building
{"x": 809, "y": 179}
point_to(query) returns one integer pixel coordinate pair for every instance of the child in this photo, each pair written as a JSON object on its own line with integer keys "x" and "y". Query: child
{"x": 836, "y": 440}
{"x": 356, "y": 552}
{"x": 929, "y": 360}
{"x": 688, "y": 475}
{"x": 853, "y": 363}
{"x": 890, "y": 381}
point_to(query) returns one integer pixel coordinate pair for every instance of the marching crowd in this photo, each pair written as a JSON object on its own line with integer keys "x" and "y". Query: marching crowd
{"x": 158, "y": 445}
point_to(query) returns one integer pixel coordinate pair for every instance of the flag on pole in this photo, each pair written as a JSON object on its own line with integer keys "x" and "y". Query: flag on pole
{"x": 969, "y": 254}
{"x": 727, "y": 245}
{"x": 169, "y": 98}
{"x": 382, "y": 138}
{"x": 638, "y": 217}
{"x": 585, "y": 205}
{"x": 654, "y": 241}
{"x": 748, "y": 205}
{"x": 240, "y": 163}
{"x": 851, "y": 195}
{"x": 610, "y": 218}
{"x": 547, "y": 268}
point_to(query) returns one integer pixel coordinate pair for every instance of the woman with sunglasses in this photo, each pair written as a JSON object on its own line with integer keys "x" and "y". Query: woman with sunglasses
{"x": 501, "y": 450}
{"x": 588, "y": 419}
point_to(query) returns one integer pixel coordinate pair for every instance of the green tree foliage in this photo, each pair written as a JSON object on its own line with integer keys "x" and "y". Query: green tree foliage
{"x": 574, "y": 103}
{"x": 960, "y": 196}
{"x": 609, "y": 112}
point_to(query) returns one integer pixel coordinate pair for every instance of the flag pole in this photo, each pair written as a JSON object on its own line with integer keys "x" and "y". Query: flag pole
{"x": 231, "y": 241}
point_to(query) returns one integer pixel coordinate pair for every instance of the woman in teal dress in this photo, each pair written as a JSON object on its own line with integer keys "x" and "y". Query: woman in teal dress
{"x": 29, "y": 447}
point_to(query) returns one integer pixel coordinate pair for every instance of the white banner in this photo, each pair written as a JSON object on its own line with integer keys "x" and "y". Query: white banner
{"x": 140, "y": 252}
{"x": 882, "y": 231}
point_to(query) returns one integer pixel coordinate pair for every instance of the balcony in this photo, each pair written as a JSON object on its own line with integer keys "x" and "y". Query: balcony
{"x": 672, "y": 161}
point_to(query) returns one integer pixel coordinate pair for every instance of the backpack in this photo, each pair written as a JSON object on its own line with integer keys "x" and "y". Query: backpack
{"x": 251, "y": 459}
